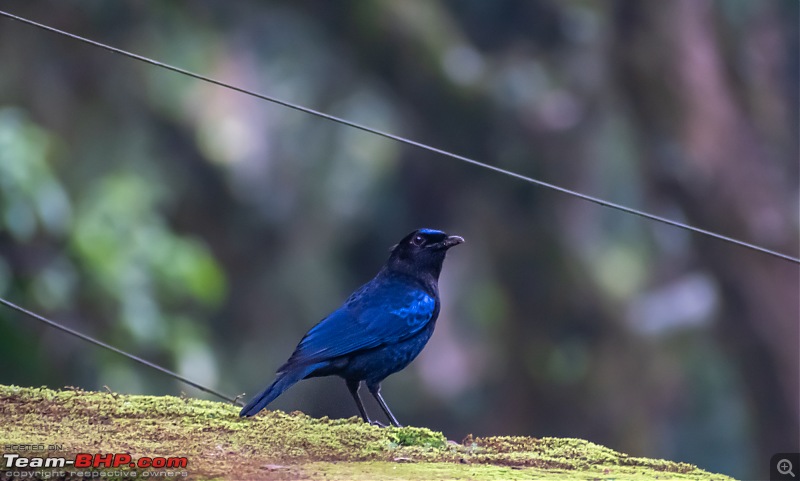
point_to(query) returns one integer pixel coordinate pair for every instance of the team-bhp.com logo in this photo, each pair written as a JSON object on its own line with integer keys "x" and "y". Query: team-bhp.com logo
{"x": 86, "y": 461}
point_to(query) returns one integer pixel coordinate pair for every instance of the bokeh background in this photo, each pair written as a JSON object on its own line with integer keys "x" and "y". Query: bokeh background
{"x": 207, "y": 231}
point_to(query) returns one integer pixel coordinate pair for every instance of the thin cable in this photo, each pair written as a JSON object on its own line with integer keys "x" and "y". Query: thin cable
{"x": 102, "y": 344}
{"x": 413, "y": 143}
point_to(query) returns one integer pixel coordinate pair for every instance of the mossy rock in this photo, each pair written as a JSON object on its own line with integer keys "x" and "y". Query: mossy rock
{"x": 276, "y": 445}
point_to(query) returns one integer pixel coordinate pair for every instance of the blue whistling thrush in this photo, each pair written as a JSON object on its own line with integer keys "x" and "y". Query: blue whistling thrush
{"x": 378, "y": 331}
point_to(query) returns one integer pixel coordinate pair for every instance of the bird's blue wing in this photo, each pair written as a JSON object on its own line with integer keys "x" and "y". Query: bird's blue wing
{"x": 383, "y": 316}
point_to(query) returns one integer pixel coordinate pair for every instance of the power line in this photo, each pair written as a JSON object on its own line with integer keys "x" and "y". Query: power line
{"x": 397, "y": 138}
{"x": 109, "y": 347}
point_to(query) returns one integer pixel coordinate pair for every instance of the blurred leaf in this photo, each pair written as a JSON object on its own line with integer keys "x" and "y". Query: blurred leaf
{"x": 28, "y": 187}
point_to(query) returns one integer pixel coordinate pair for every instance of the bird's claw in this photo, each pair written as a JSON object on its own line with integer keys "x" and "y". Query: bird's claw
{"x": 377, "y": 423}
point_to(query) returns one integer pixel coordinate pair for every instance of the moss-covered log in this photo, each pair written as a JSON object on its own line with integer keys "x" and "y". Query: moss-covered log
{"x": 275, "y": 445}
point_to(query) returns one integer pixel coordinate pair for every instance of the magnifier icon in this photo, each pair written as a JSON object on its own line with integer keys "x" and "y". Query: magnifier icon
{"x": 785, "y": 467}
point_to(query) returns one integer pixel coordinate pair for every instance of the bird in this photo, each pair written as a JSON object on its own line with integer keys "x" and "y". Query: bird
{"x": 378, "y": 330}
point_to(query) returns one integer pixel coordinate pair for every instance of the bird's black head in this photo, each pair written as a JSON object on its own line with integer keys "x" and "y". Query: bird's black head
{"x": 421, "y": 253}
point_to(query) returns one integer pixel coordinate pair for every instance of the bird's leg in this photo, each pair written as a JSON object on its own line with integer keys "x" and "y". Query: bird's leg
{"x": 375, "y": 389}
{"x": 353, "y": 386}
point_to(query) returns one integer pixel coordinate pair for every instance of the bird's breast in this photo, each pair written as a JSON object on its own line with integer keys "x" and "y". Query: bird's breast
{"x": 376, "y": 364}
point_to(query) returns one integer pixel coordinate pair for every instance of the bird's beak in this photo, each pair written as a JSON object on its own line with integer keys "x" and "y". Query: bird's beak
{"x": 451, "y": 241}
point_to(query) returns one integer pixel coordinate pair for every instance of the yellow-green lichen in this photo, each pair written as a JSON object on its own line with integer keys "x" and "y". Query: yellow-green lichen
{"x": 277, "y": 445}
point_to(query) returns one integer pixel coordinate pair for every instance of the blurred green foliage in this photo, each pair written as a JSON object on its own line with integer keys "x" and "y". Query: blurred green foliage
{"x": 32, "y": 196}
{"x": 114, "y": 244}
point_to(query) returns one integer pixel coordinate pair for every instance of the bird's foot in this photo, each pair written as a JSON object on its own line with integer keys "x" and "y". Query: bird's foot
{"x": 377, "y": 423}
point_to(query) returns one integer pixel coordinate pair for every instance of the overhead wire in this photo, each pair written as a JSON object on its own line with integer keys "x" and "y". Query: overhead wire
{"x": 374, "y": 131}
{"x": 413, "y": 143}
{"x": 80, "y": 335}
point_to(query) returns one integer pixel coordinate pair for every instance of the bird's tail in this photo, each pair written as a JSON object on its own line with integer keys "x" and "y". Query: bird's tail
{"x": 284, "y": 381}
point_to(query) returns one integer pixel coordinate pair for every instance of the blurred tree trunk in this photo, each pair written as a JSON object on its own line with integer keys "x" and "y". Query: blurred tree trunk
{"x": 730, "y": 162}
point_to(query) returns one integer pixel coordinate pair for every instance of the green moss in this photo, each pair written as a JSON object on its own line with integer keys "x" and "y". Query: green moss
{"x": 277, "y": 445}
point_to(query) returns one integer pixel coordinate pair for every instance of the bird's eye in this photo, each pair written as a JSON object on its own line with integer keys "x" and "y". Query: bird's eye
{"x": 418, "y": 240}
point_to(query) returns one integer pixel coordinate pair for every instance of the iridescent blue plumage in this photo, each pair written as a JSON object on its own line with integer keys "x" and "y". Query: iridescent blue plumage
{"x": 385, "y": 311}
{"x": 378, "y": 331}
